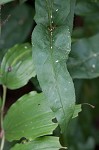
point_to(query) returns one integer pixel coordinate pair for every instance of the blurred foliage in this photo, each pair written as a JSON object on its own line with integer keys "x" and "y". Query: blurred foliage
{"x": 84, "y": 131}
{"x": 17, "y": 24}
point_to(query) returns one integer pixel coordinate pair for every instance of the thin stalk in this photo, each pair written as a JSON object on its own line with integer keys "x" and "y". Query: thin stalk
{"x": 2, "y": 111}
{"x": 49, "y": 8}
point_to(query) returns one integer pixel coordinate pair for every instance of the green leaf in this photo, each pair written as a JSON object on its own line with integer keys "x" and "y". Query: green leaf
{"x": 17, "y": 67}
{"x": 69, "y": 20}
{"x": 51, "y": 46}
{"x": 48, "y": 143}
{"x": 87, "y": 7}
{"x": 77, "y": 110}
{"x": 29, "y": 117}
{"x": 5, "y": 1}
{"x": 51, "y": 70}
{"x": 90, "y": 12}
{"x": 59, "y": 11}
{"x": 17, "y": 27}
{"x": 83, "y": 61}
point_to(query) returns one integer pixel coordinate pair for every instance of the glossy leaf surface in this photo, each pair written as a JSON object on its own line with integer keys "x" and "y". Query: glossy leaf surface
{"x": 17, "y": 67}
{"x": 29, "y": 117}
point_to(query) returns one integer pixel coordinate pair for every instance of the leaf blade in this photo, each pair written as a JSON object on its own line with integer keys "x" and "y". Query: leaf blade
{"x": 52, "y": 73}
{"x": 49, "y": 143}
{"x": 30, "y": 117}
{"x": 17, "y": 66}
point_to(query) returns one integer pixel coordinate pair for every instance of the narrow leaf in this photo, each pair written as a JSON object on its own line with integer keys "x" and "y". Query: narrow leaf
{"x": 51, "y": 46}
{"x": 29, "y": 117}
{"x": 17, "y": 67}
{"x": 48, "y": 143}
{"x": 51, "y": 70}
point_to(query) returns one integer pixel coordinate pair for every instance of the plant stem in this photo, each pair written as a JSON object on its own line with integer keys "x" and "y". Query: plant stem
{"x": 2, "y": 111}
{"x": 49, "y": 7}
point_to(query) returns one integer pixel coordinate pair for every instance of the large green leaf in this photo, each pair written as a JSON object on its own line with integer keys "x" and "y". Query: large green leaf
{"x": 51, "y": 70}
{"x": 51, "y": 46}
{"x": 17, "y": 67}
{"x": 5, "y": 1}
{"x": 58, "y": 11}
{"x": 48, "y": 143}
{"x": 17, "y": 27}
{"x": 29, "y": 117}
{"x": 83, "y": 61}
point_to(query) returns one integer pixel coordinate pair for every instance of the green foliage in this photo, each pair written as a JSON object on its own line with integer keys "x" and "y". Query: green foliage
{"x": 57, "y": 56}
{"x": 17, "y": 27}
{"x": 49, "y": 143}
{"x": 56, "y": 83}
{"x": 5, "y": 1}
{"x": 51, "y": 47}
{"x": 35, "y": 118}
{"x": 17, "y": 67}
{"x": 77, "y": 110}
{"x": 83, "y": 61}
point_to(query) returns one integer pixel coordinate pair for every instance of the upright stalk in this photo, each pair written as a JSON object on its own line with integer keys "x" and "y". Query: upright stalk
{"x": 2, "y": 111}
{"x": 50, "y": 15}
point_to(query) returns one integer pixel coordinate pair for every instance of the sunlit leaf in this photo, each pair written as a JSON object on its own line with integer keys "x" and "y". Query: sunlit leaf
{"x": 17, "y": 66}
{"x": 29, "y": 117}
{"x": 48, "y": 143}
